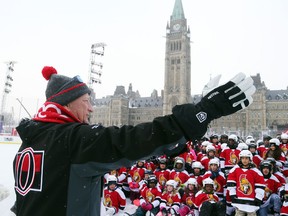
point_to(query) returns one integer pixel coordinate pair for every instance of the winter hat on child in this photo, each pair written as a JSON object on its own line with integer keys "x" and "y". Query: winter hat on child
{"x": 61, "y": 89}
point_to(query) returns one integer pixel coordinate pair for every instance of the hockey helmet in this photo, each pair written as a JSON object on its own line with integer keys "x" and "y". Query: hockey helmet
{"x": 152, "y": 179}
{"x": 242, "y": 146}
{"x": 249, "y": 137}
{"x": 246, "y": 153}
{"x": 192, "y": 181}
{"x": 162, "y": 160}
{"x": 210, "y": 148}
{"x": 274, "y": 141}
{"x": 265, "y": 163}
{"x": 259, "y": 142}
{"x": 197, "y": 164}
{"x": 233, "y": 137}
{"x": 213, "y": 136}
{"x": 172, "y": 183}
{"x": 284, "y": 136}
{"x": 250, "y": 141}
{"x": 206, "y": 143}
{"x": 267, "y": 137}
{"x": 111, "y": 179}
{"x": 208, "y": 181}
{"x": 214, "y": 161}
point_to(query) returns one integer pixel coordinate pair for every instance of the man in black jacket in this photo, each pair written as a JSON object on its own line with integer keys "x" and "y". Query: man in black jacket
{"x": 59, "y": 165}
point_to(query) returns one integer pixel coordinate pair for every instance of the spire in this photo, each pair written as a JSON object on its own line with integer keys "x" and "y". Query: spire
{"x": 178, "y": 12}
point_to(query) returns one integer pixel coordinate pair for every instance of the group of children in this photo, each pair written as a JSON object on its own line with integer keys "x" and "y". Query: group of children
{"x": 217, "y": 176}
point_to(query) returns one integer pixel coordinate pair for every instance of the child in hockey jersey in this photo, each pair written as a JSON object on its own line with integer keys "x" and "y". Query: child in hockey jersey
{"x": 275, "y": 151}
{"x": 217, "y": 176}
{"x": 246, "y": 185}
{"x": 284, "y": 197}
{"x": 229, "y": 155}
{"x": 162, "y": 172}
{"x": 135, "y": 175}
{"x": 149, "y": 198}
{"x": 207, "y": 202}
{"x": 170, "y": 199}
{"x": 197, "y": 172}
{"x": 178, "y": 173}
{"x": 271, "y": 198}
{"x": 114, "y": 198}
{"x": 188, "y": 198}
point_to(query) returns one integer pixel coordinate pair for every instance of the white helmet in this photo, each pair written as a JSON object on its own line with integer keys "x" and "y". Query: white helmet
{"x": 274, "y": 141}
{"x": 210, "y": 148}
{"x": 205, "y": 143}
{"x": 233, "y": 137}
{"x": 112, "y": 179}
{"x": 242, "y": 146}
{"x": 214, "y": 161}
{"x": 191, "y": 181}
{"x": 249, "y": 141}
{"x": 197, "y": 164}
{"x": 179, "y": 160}
{"x": 246, "y": 153}
{"x": 259, "y": 142}
{"x": 172, "y": 183}
{"x": 249, "y": 137}
{"x": 284, "y": 136}
{"x": 207, "y": 181}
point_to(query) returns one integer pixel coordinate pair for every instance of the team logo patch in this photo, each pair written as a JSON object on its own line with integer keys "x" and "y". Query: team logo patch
{"x": 201, "y": 116}
{"x": 29, "y": 171}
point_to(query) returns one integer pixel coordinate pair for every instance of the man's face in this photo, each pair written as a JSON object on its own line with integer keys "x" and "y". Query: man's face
{"x": 81, "y": 108}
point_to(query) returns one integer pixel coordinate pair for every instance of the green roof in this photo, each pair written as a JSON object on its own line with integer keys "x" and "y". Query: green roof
{"x": 178, "y": 12}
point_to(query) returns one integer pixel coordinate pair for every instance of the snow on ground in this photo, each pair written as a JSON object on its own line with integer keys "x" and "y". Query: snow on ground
{"x": 7, "y": 153}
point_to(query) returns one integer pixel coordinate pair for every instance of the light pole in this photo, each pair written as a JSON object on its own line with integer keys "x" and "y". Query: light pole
{"x": 96, "y": 65}
{"x": 7, "y": 90}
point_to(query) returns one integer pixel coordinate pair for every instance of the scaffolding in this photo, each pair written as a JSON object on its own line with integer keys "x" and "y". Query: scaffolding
{"x": 96, "y": 65}
{"x": 7, "y": 89}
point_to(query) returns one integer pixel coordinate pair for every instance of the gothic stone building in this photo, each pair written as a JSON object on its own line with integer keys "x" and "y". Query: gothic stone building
{"x": 268, "y": 114}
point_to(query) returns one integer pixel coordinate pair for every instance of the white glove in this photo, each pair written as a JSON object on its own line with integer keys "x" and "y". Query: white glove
{"x": 4, "y": 192}
{"x": 110, "y": 211}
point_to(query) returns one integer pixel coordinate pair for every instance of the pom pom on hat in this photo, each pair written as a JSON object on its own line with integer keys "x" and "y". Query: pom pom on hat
{"x": 47, "y": 72}
{"x": 62, "y": 89}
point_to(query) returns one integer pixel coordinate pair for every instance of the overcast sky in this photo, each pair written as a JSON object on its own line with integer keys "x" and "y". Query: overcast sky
{"x": 228, "y": 36}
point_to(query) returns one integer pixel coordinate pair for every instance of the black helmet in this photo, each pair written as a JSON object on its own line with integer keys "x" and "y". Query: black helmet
{"x": 152, "y": 179}
{"x": 267, "y": 137}
{"x": 149, "y": 172}
{"x": 162, "y": 160}
{"x": 214, "y": 136}
{"x": 265, "y": 163}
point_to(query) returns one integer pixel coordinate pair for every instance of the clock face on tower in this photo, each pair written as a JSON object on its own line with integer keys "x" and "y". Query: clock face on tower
{"x": 176, "y": 27}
